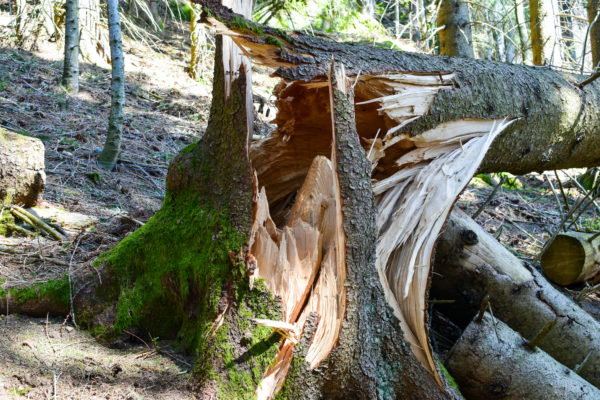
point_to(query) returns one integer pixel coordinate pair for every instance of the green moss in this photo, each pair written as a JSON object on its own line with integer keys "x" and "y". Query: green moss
{"x": 169, "y": 277}
{"x": 449, "y": 377}
{"x": 273, "y": 40}
{"x": 56, "y": 290}
{"x": 243, "y": 24}
{"x": 188, "y": 149}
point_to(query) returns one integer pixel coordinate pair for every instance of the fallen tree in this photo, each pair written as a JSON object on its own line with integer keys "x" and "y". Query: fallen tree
{"x": 208, "y": 267}
{"x": 470, "y": 264}
{"x": 490, "y": 360}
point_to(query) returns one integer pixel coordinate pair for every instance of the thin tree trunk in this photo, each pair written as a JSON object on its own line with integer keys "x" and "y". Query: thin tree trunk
{"x": 70, "y": 77}
{"x": 112, "y": 146}
{"x": 545, "y": 40}
{"x": 455, "y": 38}
{"x": 195, "y": 32}
{"x": 522, "y": 30}
{"x": 592, "y": 11}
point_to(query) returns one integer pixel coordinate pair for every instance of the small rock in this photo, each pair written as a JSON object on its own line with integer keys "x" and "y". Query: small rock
{"x": 69, "y": 329}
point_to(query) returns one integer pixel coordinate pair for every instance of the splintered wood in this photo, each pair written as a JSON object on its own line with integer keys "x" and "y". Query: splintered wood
{"x": 300, "y": 264}
{"x": 417, "y": 181}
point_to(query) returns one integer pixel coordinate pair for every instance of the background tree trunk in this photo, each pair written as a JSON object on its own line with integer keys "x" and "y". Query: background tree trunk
{"x": 70, "y": 77}
{"x": 545, "y": 41}
{"x": 455, "y": 38}
{"x": 522, "y": 30}
{"x": 112, "y": 146}
{"x": 592, "y": 11}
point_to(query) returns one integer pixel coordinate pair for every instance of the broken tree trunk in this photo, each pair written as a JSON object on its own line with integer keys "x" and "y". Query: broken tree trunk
{"x": 21, "y": 168}
{"x": 490, "y": 361}
{"x": 572, "y": 257}
{"x": 472, "y": 264}
{"x": 212, "y": 268}
{"x": 426, "y": 123}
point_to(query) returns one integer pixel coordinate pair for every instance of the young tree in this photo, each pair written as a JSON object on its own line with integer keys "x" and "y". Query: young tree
{"x": 522, "y": 30}
{"x": 545, "y": 33}
{"x": 110, "y": 152}
{"x": 592, "y": 11}
{"x": 70, "y": 79}
{"x": 455, "y": 38}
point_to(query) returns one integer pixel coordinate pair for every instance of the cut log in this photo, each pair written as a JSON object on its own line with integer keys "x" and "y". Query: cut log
{"x": 572, "y": 257}
{"x": 470, "y": 263}
{"x": 21, "y": 167}
{"x": 491, "y": 361}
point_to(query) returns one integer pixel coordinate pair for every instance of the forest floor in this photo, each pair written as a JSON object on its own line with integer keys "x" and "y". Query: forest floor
{"x": 166, "y": 110}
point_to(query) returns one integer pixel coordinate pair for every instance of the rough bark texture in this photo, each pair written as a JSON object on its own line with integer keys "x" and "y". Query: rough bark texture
{"x": 592, "y": 11}
{"x": 70, "y": 78}
{"x": 21, "y": 167}
{"x": 195, "y": 28}
{"x": 491, "y": 361}
{"x": 474, "y": 264}
{"x": 558, "y": 122}
{"x": 455, "y": 38}
{"x": 112, "y": 146}
{"x": 544, "y": 33}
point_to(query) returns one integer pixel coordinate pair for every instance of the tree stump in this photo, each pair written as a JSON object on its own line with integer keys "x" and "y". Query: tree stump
{"x": 21, "y": 167}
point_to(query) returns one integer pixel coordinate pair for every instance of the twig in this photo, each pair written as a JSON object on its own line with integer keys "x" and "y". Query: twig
{"x": 483, "y": 307}
{"x": 69, "y": 275}
{"x": 589, "y": 80}
{"x": 560, "y": 207}
{"x": 533, "y": 342}
{"x": 489, "y": 198}
{"x": 36, "y": 222}
{"x": 137, "y": 337}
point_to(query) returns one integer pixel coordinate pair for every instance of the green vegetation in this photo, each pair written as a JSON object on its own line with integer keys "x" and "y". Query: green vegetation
{"x": 55, "y": 290}
{"x": 172, "y": 275}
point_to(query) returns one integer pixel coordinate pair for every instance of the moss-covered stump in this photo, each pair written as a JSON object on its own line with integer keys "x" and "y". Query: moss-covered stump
{"x": 183, "y": 274}
{"x": 21, "y": 167}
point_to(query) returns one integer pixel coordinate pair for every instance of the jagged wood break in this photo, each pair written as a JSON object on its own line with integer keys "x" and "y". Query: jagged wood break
{"x": 426, "y": 124}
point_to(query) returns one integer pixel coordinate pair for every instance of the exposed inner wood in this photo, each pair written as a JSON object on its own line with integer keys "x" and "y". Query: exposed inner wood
{"x": 301, "y": 263}
{"x": 572, "y": 257}
{"x": 417, "y": 179}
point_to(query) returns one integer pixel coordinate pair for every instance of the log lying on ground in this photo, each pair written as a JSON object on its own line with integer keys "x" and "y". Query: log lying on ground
{"x": 21, "y": 167}
{"x": 572, "y": 257}
{"x": 491, "y": 361}
{"x": 471, "y": 264}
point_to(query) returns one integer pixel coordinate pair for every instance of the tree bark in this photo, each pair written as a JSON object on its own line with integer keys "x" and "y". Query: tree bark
{"x": 455, "y": 38}
{"x": 592, "y": 11}
{"x": 474, "y": 264}
{"x": 490, "y": 360}
{"x": 545, "y": 42}
{"x": 21, "y": 168}
{"x": 112, "y": 146}
{"x": 70, "y": 78}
